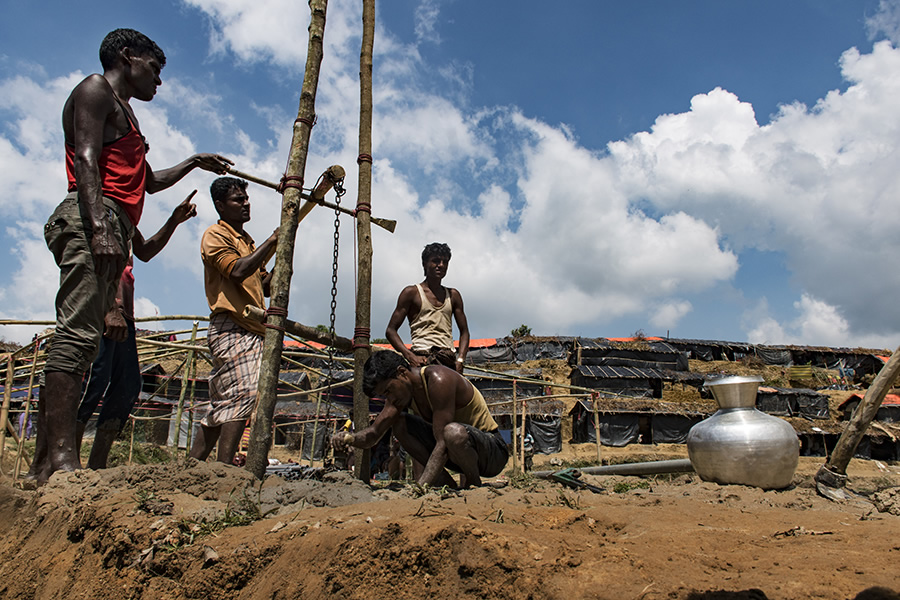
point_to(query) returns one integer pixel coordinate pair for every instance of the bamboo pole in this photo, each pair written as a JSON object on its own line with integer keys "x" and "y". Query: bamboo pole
{"x": 834, "y": 473}
{"x": 261, "y": 423}
{"x": 171, "y": 318}
{"x": 524, "y": 418}
{"x": 515, "y": 426}
{"x": 170, "y": 345}
{"x": 315, "y": 432}
{"x": 131, "y": 445}
{"x": 387, "y": 224}
{"x": 362, "y": 349}
{"x": 190, "y": 427}
{"x": 302, "y": 440}
{"x": 182, "y": 392}
{"x": 594, "y": 398}
{"x": 21, "y": 449}
{"x": 4, "y": 412}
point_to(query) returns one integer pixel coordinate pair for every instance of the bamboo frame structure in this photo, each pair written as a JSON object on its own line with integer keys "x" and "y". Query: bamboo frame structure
{"x": 24, "y": 366}
{"x": 28, "y": 397}
{"x": 515, "y": 453}
{"x": 188, "y": 364}
{"x": 261, "y": 433}
{"x": 4, "y": 412}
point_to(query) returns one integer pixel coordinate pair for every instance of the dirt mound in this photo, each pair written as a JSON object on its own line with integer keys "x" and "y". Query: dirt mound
{"x": 197, "y": 530}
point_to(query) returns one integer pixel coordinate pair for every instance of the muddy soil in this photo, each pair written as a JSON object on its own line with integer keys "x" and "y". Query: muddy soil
{"x": 205, "y": 530}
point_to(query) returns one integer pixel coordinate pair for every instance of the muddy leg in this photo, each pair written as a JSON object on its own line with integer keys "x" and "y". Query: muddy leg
{"x": 420, "y": 454}
{"x": 229, "y": 440}
{"x": 103, "y": 441}
{"x": 462, "y": 452}
{"x": 204, "y": 442}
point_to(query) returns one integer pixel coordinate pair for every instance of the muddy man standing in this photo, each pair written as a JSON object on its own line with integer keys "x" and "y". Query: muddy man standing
{"x": 90, "y": 232}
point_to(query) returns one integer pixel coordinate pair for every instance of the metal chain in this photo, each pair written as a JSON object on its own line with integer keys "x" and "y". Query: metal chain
{"x": 339, "y": 192}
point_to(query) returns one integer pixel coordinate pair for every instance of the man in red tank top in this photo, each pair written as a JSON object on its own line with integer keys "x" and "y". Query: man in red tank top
{"x": 90, "y": 232}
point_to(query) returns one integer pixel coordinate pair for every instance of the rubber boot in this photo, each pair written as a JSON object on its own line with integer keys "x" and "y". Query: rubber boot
{"x": 62, "y": 395}
{"x": 103, "y": 441}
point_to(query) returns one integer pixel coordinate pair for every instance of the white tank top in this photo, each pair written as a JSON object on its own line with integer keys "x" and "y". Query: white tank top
{"x": 433, "y": 325}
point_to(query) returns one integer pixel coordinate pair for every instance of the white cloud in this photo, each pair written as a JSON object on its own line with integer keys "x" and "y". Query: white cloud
{"x": 816, "y": 323}
{"x": 426, "y": 15}
{"x": 144, "y": 307}
{"x": 669, "y": 314}
{"x": 885, "y": 21}
{"x": 544, "y": 231}
{"x": 816, "y": 184}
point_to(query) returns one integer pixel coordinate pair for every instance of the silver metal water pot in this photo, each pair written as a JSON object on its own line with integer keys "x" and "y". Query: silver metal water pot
{"x": 740, "y": 444}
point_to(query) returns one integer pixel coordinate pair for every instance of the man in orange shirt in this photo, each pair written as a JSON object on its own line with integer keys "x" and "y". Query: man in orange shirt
{"x": 234, "y": 277}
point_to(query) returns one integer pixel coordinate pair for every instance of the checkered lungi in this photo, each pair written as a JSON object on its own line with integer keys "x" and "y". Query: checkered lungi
{"x": 234, "y": 380}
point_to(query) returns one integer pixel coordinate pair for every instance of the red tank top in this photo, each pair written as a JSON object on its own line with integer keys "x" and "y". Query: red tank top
{"x": 123, "y": 170}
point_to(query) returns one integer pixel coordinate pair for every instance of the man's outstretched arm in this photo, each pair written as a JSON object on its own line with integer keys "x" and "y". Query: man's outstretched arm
{"x": 147, "y": 249}
{"x": 158, "y": 181}
{"x": 247, "y": 265}
{"x": 369, "y": 436}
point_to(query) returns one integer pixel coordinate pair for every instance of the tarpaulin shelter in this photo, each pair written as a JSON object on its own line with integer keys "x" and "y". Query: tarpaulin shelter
{"x": 854, "y": 363}
{"x": 543, "y": 420}
{"x": 627, "y": 381}
{"x": 709, "y": 350}
{"x": 888, "y": 412}
{"x": 789, "y": 402}
{"x": 620, "y": 428}
{"x": 627, "y": 352}
{"x": 537, "y": 348}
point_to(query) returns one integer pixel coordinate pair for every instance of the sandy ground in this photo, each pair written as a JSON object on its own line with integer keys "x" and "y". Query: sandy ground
{"x": 205, "y": 530}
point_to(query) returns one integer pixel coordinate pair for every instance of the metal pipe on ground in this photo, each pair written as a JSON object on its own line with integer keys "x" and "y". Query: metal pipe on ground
{"x": 655, "y": 467}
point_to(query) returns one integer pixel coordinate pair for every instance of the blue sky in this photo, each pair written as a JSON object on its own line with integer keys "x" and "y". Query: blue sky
{"x": 715, "y": 170}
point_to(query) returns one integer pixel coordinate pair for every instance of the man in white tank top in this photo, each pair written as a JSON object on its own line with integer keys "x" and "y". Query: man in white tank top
{"x": 428, "y": 306}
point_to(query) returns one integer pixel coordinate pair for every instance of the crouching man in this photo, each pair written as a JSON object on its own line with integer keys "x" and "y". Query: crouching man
{"x": 440, "y": 419}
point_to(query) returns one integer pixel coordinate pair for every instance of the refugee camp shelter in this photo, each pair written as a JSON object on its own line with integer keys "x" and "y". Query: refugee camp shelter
{"x": 625, "y": 381}
{"x": 652, "y": 353}
{"x": 888, "y": 412}
{"x": 790, "y": 402}
{"x": 709, "y": 350}
{"x": 622, "y": 427}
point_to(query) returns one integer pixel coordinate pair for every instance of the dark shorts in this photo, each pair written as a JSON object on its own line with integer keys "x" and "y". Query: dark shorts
{"x": 492, "y": 451}
{"x": 83, "y": 299}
